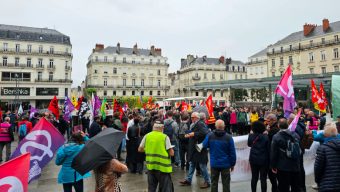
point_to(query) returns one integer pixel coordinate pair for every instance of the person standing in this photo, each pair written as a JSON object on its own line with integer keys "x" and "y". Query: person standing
{"x": 233, "y": 122}
{"x": 95, "y": 127}
{"x": 184, "y": 142}
{"x": 65, "y": 155}
{"x": 254, "y": 116}
{"x": 222, "y": 156}
{"x": 259, "y": 155}
{"x": 6, "y": 137}
{"x": 196, "y": 136}
{"x": 24, "y": 127}
{"x": 285, "y": 157}
{"x": 241, "y": 121}
{"x": 158, "y": 150}
{"x": 134, "y": 159}
{"x": 326, "y": 167}
{"x": 171, "y": 130}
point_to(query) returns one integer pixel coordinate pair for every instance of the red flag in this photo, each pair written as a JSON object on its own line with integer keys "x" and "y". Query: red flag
{"x": 317, "y": 100}
{"x": 210, "y": 107}
{"x": 80, "y": 100}
{"x": 323, "y": 94}
{"x": 53, "y": 107}
{"x": 184, "y": 106}
{"x": 14, "y": 174}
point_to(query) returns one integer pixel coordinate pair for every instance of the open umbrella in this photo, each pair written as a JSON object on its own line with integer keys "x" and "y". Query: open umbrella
{"x": 98, "y": 150}
{"x": 201, "y": 109}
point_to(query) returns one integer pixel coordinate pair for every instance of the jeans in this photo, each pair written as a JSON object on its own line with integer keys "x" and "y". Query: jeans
{"x": 176, "y": 151}
{"x": 257, "y": 170}
{"x": 273, "y": 180}
{"x": 162, "y": 180}
{"x": 8, "y": 150}
{"x": 288, "y": 180}
{"x": 183, "y": 152}
{"x": 78, "y": 186}
{"x": 215, "y": 176}
{"x": 204, "y": 170}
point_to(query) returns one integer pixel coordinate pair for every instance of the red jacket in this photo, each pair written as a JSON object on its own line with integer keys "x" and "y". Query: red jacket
{"x": 28, "y": 124}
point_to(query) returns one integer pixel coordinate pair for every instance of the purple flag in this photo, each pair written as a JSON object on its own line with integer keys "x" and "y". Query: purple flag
{"x": 96, "y": 105}
{"x": 32, "y": 111}
{"x": 42, "y": 143}
{"x": 293, "y": 124}
{"x": 68, "y": 108}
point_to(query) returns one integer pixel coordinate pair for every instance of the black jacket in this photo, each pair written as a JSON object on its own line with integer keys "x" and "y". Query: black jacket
{"x": 327, "y": 166}
{"x": 200, "y": 131}
{"x": 259, "y": 152}
{"x": 278, "y": 158}
{"x": 94, "y": 129}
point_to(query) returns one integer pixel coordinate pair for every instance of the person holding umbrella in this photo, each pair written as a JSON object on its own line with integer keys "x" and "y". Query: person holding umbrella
{"x": 65, "y": 155}
{"x": 158, "y": 150}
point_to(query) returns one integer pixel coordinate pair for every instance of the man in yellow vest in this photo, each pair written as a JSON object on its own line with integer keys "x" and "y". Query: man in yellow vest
{"x": 158, "y": 150}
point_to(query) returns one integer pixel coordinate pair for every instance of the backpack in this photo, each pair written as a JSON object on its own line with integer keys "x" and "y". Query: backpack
{"x": 183, "y": 129}
{"x": 168, "y": 130}
{"x": 22, "y": 130}
{"x": 293, "y": 150}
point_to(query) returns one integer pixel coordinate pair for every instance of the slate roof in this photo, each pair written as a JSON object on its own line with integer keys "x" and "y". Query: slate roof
{"x": 207, "y": 60}
{"x": 22, "y": 33}
{"x": 260, "y": 53}
{"x": 318, "y": 31}
{"x": 124, "y": 50}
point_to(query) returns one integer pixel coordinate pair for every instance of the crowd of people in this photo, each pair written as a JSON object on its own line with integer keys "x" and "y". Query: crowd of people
{"x": 168, "y": 140}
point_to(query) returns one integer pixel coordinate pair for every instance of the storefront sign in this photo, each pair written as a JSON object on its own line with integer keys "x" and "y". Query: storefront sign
{"x": 47, "y": 91}
{"x": 15, "y": 91}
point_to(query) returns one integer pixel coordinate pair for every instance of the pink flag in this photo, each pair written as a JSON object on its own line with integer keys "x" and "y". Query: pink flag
{"x": 14, "y": 174}
{"x": 286, "y": 90}
{"x": 293, "y": 124}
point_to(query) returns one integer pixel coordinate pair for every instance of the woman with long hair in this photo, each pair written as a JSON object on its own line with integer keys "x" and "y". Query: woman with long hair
{"x": 65, "y": 155}
{"x": 134, "y": 159}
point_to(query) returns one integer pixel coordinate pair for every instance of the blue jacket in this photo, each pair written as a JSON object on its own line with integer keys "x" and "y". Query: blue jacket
{"x": 222, "y": 149}
{"x": 321, "y": 137}
{"x": 65, "y": 156}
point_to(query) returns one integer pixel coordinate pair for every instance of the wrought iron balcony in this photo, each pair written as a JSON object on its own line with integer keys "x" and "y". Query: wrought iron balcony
{"x": 35, "y": 52}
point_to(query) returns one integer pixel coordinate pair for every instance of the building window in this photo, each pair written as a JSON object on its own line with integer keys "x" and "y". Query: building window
{"x": 336, "y": 53}
{"x": 4, "y": 61}
{"x": 133, "y": 82}
{"x": 336, "y": 37}
{"x": 150, "y": 93}
{"x": 105, "y": 58}
{"x": 150, "y": 61}
{"x": 221, "y": 93}
{"x": 17, "y": 61}
{"x": 205, "y": 75}
{"x": 105, "y": 82}
{"x": 235, "y": 76}
{"x": 323, "y": 40}
{"x": 124, "y": 82}
{"x": 5, "y": 48}
{"x": 124, "y": 60}
{"x": 114, "y": 59}
{"x": 95, "y": 71}
{"x": 29, "y": 62}
{"x": 105, "y": 93}
{"x": 233, "y": 68}
{"x": 115, "y": 70}
{"x": 159, "y": 83}
{"x": 105, "y": 72}
{"x": 142, "y": 93}
{"x": 29, "y": 48}
{"x": 159, "y": 93}
{"x": 290, "y": 58}
{"x": 196, "y": 93}
{"x": 40, "y": 49}
{"x": 244, "y": 69}
{"x": 273, "y": 50}
{"x": 273, "y": 62}
{"x": 336, "y": 68}
{"x": 50, "y": 76}
{"x": 311, "y": 42}
{"x": 290, "y": 47}
{"x": 311, "y": 70}
{"x": 240, "y": 76}
{"x": 221, "y": 76}
{"x": 17, "y": 47}
{"x": 133, "y": 61}
{"x": 311, "y": 57}
{"x": 66, "y": 76}
{"x": 281, "y": 61}
{"x": 142, "y": 82}
{"x": 213, "y": 75}
{"x": 40, "y": 62}
{"x": 66, "y": 63}
{"x": 39, "y": 75}
{"x": 273, "y": 74}
{"x": 132, "y": 92}
{"x": 51, "y": 63}
{"x": 281, "y": 49}
{"x": 323, "y": 55}
{"x": 158, "y": 72}
{"x": 323, "y": 70}
{"x": 124, "y": 93}
{"x": 51, "y": 50}
{"x": 114, "y": 93}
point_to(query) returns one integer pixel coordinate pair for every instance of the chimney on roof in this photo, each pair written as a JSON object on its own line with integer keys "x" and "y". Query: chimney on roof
{"x": 204, "y": 58}
{"x": 190, "y": 59}
{"x": 118, "y": 48}
{"x": 152, "y": 50}
{"x": 98, "y": 47}
{"x": 325, "y": 25}
{"x": 308, "y": 28}
{"x": 135, "y": 49}
{"x": 221, "y": 59}
{"x": 158, "y": 51}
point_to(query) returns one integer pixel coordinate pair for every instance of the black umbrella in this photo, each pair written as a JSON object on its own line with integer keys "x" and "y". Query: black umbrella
{"x": 201, "y": 109}
{"x": 98, "y": 150}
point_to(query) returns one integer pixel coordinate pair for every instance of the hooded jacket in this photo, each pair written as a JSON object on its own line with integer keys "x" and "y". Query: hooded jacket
{"x": 222, "y": 149}
{"x": 260, "y": 147}
{"x": 327, "y": 166}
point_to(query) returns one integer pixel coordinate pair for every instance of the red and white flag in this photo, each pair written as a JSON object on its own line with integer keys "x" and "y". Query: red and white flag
{"x": 14, "y": 174}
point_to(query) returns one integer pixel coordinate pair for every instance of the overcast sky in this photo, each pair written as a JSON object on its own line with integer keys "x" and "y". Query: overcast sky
{"x": 234, "y": 28}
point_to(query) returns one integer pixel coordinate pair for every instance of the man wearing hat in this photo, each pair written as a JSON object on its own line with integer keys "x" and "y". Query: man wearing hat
{"x": 158, "y": 150}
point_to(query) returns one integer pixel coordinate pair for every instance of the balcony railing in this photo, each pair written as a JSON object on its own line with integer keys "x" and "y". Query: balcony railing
{"x": 54, "y": 80}
{"x": 129, "y": 87}
{"x": 51, "y": 67}
{"x": 29, "y": 52}
{"x": 38, "y": 66}
{"x": 13, "y": 65}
